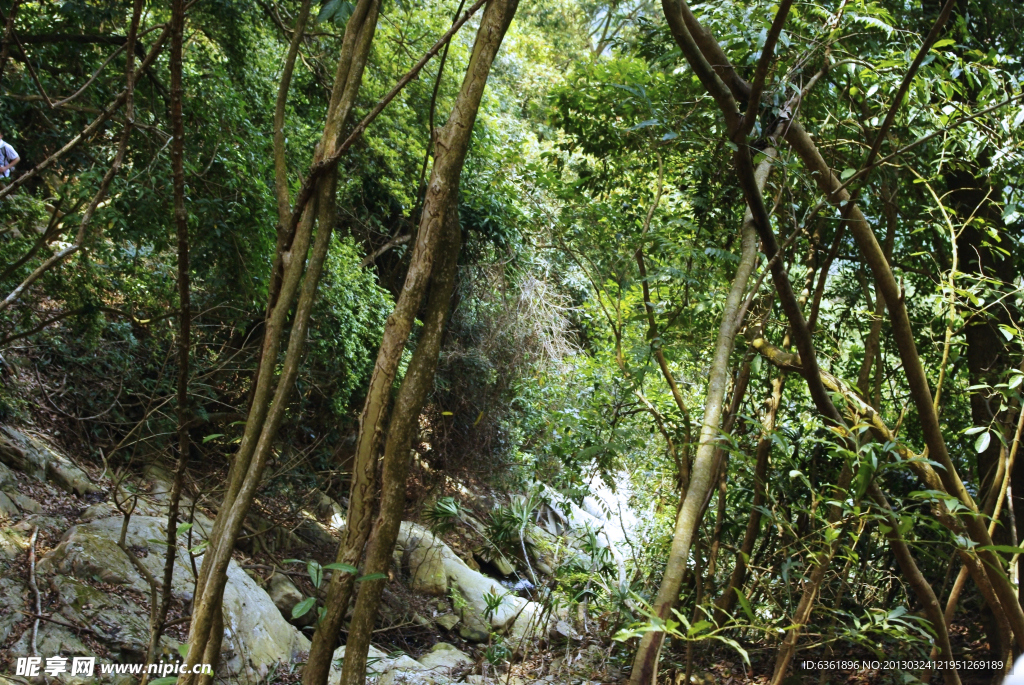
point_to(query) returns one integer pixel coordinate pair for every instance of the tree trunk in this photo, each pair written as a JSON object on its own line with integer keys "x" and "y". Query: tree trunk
{"x": 727, "y": 602}
{"x": 645, "y": 663}
{"x": 451, "y": 147}
{"x": 184, "y": 307}
{"x": 923, "y": 590}
{"x": 920, "y": 391}
{"x": 418, "y": 381}
{"x": 265, "y": 415}
{"x": 872, "y": 344}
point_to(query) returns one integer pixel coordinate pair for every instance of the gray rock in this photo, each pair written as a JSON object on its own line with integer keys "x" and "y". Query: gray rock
{"x": 448, "y": 621}
{"x": 100, "y": 510}
{"x": 489, "y": 555}
{"x": 397, "y": 677}
{"x": 8, "y": 509}
{"x": 427, "y": 557}
{"x": 425, "y": 561}
{"x": 6, "y": 476}
{"x": 256, "y": 635}
{"x": 473, "y": 632}
{"x": 285, "y": 596}
{"x": 33, "y": 457}
{"x": 444, "y": 658}
{"x": 26, "y": 504}
{"x": 13, "y": 592}
{"x": 311, "y": 531}
{"x": 113, "y": 620}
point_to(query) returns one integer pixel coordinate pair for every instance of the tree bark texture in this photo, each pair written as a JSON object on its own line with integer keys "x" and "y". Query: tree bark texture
{"x": 184, "y": 304}
{"x": 402, "y": 429}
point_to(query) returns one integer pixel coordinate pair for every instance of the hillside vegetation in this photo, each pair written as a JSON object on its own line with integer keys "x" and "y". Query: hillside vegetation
{"x": 503, "y": 341}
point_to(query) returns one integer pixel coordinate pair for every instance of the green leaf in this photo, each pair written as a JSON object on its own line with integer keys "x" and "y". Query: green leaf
{"x": 982, "y": 443}
{"x": 214, "y": 436}
{"x": 372, "y": 576}
{"x": 303, "y": 607}
{"x": 169, "y": 680}
{"x": 316, "y": 572}
{"x": 183, "y": 650}
{"x": 698, "y": 627}
{"x": 183, "y": 527}
{"x": 847, "y": 173}
{"x": 745, "y": 605}
{"x": 328, "y": 10}
{"x": 347, "y": 568}
{"x": 157, "y": 542}
{"x": 1003, "y": 549}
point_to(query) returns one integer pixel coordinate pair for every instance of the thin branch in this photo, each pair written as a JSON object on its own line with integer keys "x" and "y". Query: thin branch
{"x": 763, "y": 63}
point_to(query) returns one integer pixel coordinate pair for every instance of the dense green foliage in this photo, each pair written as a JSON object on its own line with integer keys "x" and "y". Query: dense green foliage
{"x": 595, "y": 143}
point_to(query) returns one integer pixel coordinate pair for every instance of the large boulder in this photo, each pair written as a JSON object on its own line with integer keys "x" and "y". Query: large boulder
{"x": 91, "y": 551}
{"x": 34, "y": 457}
{"x": 378, "y": 665}
{"x": 256, "y": 635}
{"x": 8, "y": 509}
{"x": 433, "y": 565}
{"x": 443, "y": 658}
{"x": 285, "y": 596}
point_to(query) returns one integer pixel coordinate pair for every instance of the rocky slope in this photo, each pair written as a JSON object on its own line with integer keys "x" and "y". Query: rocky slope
{"x": 95, "y": 600}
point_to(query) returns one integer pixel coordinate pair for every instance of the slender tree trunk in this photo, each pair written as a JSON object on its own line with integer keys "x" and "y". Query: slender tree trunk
{"x": 265, "y": 414}
{"x": 912, "y": 574}
{"x": 803, "y": 611}
{"x": 873, "y": 343}
{"x": 920, "y": 391}
{"x": 645, "y": 663}
{"x": 451, "y": 147}
{"x": 285, "y": 236}
{"x": 418, "y": 381}
{"x": 184, "y": 307}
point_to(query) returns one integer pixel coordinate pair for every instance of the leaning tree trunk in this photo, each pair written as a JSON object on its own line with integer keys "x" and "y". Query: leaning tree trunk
{"x": 451, "y": 147}
{"x": 270, "y": 399}
{"x": 402, "y": 429}
{"x": 920, "y": 392}
{"x": 645, "y": 663}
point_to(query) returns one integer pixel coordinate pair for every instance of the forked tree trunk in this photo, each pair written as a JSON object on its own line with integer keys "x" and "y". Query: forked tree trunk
{"x": 402, "y": 429}
{"x": 451, "y": 147}
{"x": 271, "y": 399}
{"x": 682, "y": 22}
{"x": 645, "y": 663}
